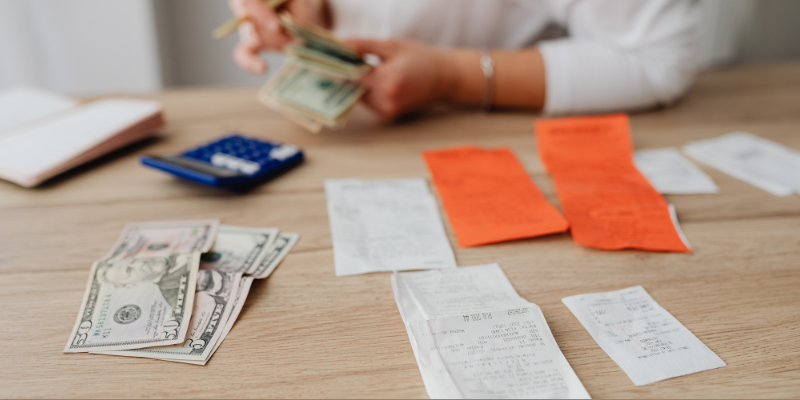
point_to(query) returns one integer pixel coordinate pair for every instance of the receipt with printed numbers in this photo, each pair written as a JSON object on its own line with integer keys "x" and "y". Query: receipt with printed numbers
{"x": 643, "y": 338}
{"x": 760, "y": 162}
{"x": 385, "y": 225}
{"x": 474, "y": 337}
{"x": 671, "y": 173}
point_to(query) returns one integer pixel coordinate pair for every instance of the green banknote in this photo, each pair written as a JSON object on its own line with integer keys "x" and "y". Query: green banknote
{"x": 320, "y": 94}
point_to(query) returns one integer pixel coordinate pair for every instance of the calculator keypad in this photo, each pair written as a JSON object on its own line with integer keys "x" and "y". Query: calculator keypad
{"x": 249, "y": 153}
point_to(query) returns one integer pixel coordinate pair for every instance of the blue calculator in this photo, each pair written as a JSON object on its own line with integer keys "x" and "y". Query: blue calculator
{"x": 234, "y": 162}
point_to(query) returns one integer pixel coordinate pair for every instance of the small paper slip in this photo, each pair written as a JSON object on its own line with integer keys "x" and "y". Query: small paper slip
{"x": 385, "y": 225}
{"x": 609, "y": 204}
{"x": 489, "y": 196}
{"x": 671, "y": 173}
{"x": 40, "y": 150}
{"x": 643, "y": 338}
{"x": 755, "y": 160}
{"x": 474, "y": 337}
{"x": 22, "y": 105}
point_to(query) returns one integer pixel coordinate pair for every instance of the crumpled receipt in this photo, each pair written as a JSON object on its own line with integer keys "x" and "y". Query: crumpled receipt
{"x": 643, "y": 338}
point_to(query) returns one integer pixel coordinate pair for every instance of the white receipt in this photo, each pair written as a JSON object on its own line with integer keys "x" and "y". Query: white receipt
{"x": 22, "y": 105}
{"x": 385, "y": 225}
{"x": 758, "y": 161}
{"x": 474, "y": 337}
{"x": 643, "y": 338}
{"x": 671, "y": 173}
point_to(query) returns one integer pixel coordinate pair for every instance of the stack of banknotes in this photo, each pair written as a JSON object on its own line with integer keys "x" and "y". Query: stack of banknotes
{"x": 317, "y": 86}
{"x": 173, "y": 290}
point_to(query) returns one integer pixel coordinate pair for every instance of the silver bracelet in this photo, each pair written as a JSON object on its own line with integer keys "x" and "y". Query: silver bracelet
{"x": 487, "y": 66}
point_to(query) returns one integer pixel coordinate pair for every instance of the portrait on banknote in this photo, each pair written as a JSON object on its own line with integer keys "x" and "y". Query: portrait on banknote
{"x": 136, "y": 302}
{"x": 164, "y": 272}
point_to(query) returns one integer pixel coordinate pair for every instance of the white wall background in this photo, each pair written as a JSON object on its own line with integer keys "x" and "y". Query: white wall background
{"x": 79, "y": 46}
{"x": 89, "y": 47}
{"x": 188, "y": 53}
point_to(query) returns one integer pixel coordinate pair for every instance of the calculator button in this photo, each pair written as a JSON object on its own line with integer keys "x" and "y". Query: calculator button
{"x": 235, "y": 163}
{"x": 283, "y": 152}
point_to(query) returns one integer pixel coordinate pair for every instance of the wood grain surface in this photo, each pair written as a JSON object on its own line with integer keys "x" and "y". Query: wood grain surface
{"x": 305, "y": 333}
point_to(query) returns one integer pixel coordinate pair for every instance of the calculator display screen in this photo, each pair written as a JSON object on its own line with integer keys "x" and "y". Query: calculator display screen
{"x": 198, "y": 166}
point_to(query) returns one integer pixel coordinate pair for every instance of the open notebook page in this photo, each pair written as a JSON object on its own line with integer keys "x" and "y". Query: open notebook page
{"x": 23, "y": 105}
{"x": 29, "y": 153}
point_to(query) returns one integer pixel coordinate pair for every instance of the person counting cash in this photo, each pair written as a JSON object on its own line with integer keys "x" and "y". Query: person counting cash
{"x": 557, "y": 56}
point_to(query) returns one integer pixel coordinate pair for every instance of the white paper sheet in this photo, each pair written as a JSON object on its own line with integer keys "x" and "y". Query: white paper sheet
{"x": 22, "y": 105}
{"x": 462, "y": 307}
{"x": 643, "y": 338}
{"x": 755, "y": 160}
{"x": 385, "y": 225}
{"x": 671, "y": 173}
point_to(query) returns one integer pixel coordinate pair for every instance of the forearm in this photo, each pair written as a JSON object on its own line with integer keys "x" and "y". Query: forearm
{"x": 519, "y": 78}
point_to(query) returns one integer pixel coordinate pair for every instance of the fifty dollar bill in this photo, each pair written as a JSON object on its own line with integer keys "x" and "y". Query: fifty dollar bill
{"x": 142, "y": 293}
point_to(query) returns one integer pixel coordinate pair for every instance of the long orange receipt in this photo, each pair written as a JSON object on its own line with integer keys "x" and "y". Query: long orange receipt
{"x": 489, "y": 197}
{"x": 608, "y": 203}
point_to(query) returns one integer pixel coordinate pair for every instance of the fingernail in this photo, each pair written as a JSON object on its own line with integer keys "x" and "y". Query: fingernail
{"x": 245, "y": 31}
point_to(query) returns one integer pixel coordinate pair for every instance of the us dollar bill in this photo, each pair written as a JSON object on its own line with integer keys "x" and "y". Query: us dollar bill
{"x": 320, "y": 39}
{"x": 136, "y": 302}
{"x": 282, "y": 246}
{"x": 320, "y": 96}
{"x": 214, "y": 300}
{"x": 238, "y": 249}
{"x": 241, "y": 295}
{"x": 164, "y": 238}
{"x": 326, "y": 62}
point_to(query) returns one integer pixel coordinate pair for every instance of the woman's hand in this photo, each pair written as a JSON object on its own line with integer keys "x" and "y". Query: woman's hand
{"x": 410, "y": 76}
{"x": 263, "y": 31}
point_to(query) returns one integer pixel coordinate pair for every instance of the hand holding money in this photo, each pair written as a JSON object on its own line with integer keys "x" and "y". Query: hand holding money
{"x": 260, "y": 29}
{"x": 318, "y": 84}
{"x": 413, "y": 75}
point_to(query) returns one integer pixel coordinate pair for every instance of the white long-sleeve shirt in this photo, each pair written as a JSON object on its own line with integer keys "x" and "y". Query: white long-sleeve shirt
{"x": 619, "y": 55}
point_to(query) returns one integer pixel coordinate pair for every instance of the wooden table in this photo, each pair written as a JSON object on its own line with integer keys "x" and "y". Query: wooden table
{"x": 306, "y": 333}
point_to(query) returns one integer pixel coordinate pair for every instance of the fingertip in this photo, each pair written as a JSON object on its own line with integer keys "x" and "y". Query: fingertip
{"x": 247, "y": 60}
{"x": 261, "y": 12}
{"x": 237, "y": 6}
{"x": 273, "y": 27}
{"x": 259, "y": 66}
{"x": 247, "y": 34}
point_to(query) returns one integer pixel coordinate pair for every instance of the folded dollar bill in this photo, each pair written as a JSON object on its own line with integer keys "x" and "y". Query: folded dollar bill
{"x": 238, "y": 303}
{"x": 318, "y": 99}
{"x": 318, "y": 85}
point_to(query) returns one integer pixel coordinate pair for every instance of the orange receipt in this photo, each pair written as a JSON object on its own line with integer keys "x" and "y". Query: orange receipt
{"x": 608, "y": 202}
{"x": 489, "y": 197}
